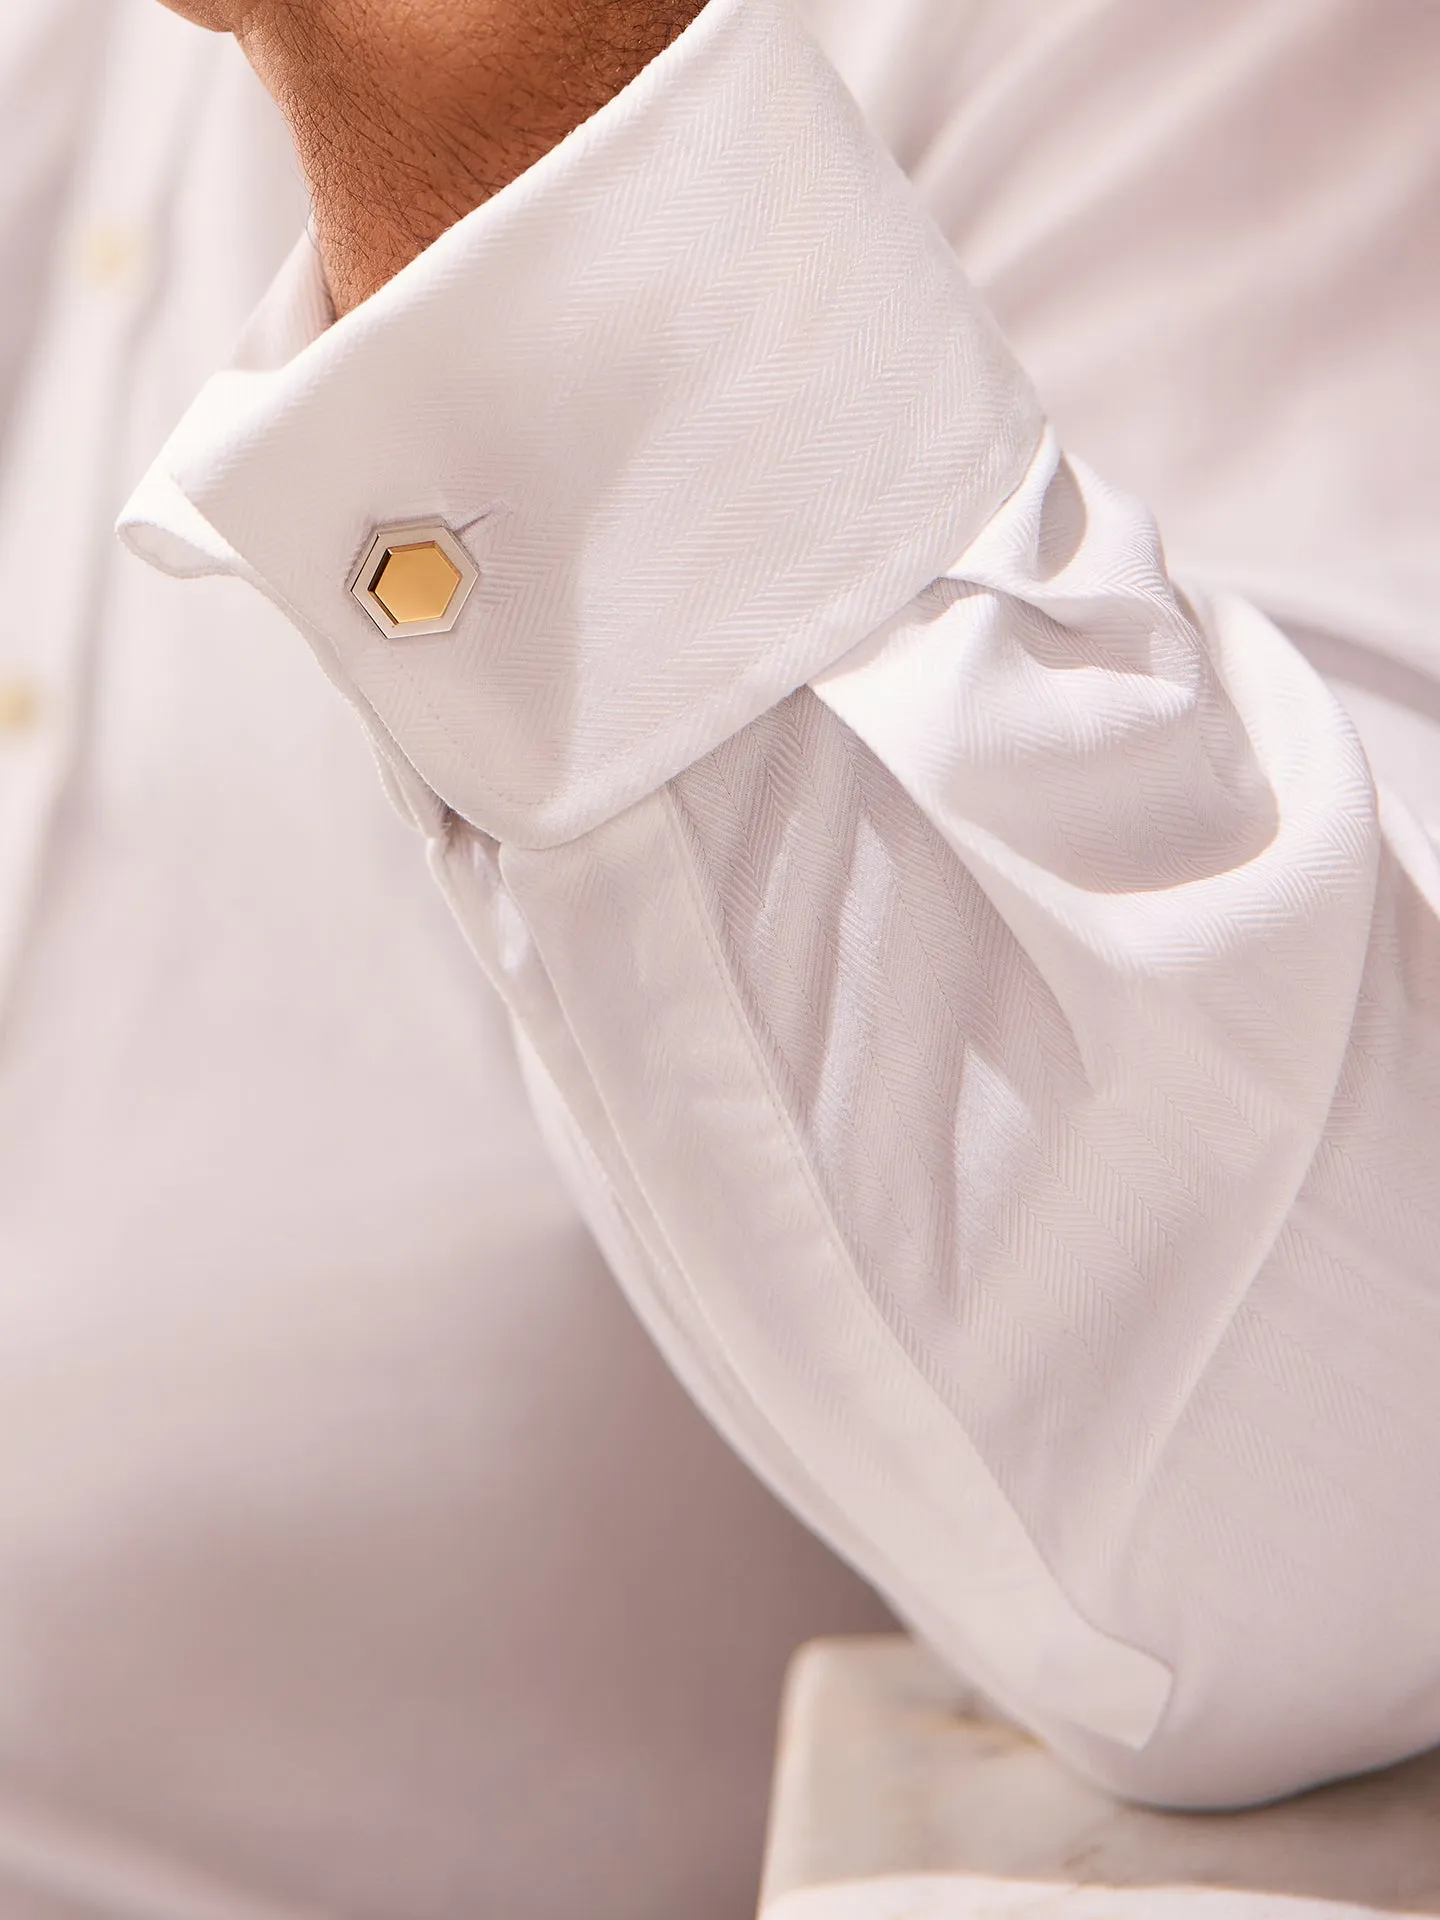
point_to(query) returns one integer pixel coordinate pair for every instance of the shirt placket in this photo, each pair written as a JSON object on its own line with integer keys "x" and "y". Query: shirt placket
{"x": 58, "y": 492}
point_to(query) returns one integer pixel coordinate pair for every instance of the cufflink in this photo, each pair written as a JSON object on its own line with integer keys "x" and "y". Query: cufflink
{"x": 414, "y": 579}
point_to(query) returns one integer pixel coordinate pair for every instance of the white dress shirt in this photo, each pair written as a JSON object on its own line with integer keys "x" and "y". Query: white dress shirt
{"x": 358, "y": 1556}
{"x": 969, "y": 982}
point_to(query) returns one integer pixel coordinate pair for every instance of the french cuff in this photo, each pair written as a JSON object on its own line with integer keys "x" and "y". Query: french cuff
{"x": 702, "y": 396}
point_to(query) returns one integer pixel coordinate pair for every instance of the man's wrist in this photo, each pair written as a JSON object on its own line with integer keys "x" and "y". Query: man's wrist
{"x": 407, "y": 114}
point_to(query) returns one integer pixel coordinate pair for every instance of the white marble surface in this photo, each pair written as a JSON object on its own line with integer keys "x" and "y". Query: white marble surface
{"x": 897, "y": 1798}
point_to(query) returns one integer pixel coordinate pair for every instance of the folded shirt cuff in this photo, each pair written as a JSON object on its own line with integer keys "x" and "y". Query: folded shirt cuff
{"x": 703, "y": 394}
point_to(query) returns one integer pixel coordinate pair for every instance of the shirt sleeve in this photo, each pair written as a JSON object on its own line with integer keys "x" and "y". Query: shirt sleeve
{"x": 974, "y": 989}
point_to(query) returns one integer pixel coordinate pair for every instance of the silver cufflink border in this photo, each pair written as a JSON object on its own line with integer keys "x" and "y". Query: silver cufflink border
{"x": 413, "y": 533}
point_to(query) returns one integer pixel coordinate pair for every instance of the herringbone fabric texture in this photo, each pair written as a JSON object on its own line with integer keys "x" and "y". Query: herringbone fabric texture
{"x": 983, "y": 1005}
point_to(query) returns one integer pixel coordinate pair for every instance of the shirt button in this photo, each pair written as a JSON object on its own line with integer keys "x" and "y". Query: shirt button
{"x": 109, "y": 253}
{"x": 19, "y": 705}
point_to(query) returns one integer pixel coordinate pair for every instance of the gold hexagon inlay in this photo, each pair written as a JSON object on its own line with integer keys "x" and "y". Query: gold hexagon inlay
{"x": 415, "y": 583}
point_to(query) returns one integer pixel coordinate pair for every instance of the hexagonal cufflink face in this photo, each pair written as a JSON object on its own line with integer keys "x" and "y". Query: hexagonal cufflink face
{"x": 414, "y": 579}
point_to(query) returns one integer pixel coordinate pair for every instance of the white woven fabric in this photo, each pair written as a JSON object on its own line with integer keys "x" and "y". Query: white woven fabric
{"x": 986, "y": 1011}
